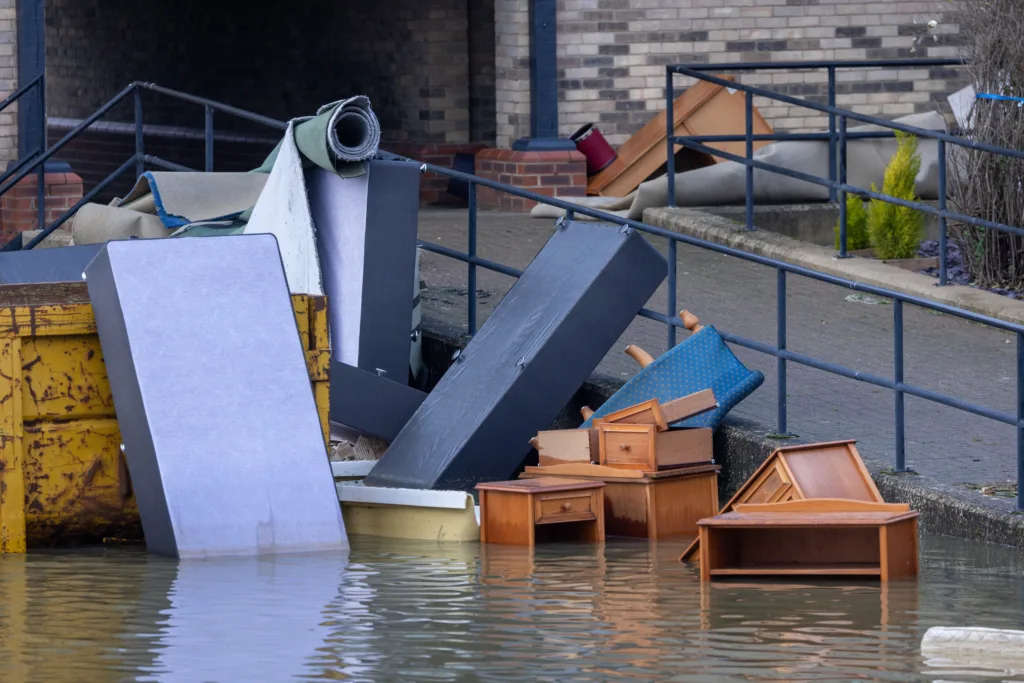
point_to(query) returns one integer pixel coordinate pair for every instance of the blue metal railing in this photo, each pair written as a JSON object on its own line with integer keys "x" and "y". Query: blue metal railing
{"x": 139, "y": 160}
{"x": 782, "y": 354}
{"x": 37, "y": 85}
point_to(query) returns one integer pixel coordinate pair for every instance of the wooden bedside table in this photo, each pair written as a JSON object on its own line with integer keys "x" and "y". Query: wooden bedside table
{"x": 529, "y": 511}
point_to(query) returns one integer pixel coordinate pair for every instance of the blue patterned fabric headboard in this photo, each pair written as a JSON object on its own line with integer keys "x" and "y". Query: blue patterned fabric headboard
{"x": 703, "y": 361}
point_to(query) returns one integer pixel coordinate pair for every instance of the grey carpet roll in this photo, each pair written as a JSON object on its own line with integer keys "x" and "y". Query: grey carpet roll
{"x": 354, "y": 132}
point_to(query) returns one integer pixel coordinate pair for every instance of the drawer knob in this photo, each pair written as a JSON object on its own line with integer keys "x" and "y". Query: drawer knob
{"x": 567, "y": 506}
{"x": 624, "y": 446}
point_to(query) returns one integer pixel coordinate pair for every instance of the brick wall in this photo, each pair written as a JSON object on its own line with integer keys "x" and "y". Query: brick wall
{"x": 411, "y": 57}
{"x": 8, "y": 81}
{"x": 481, "y": 71}
{"x": 612, "y": 55}
{"x": 512, "y": 70}
{"x": 553, "y": 174}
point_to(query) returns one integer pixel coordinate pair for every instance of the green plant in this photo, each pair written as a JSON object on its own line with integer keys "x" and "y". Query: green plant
{"x": 894, "y": 230}
{"x": 856, "y": 224}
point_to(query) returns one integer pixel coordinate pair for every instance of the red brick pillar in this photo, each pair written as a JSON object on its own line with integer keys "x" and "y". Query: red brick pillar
{"x": 18, "y": 206}
{"x": 553, "y": 174}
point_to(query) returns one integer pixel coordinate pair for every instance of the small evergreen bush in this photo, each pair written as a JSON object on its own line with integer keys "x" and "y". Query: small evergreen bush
{"x": 895, "y": 231}
{"x": 856, "y": 225}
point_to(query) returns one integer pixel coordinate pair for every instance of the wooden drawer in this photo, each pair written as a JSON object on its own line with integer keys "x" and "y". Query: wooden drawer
{"x": 551, "y": 508}
{"x": 627, "y": 445}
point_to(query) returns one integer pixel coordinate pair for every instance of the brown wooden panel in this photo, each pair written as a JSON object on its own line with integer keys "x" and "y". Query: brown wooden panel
{"x": 684, "y": 447}
{"x": 678, "y": 504}
{"x": 564, "y": 446}
{"x": 830, "y": 472}
{"x": 646, "y": 413}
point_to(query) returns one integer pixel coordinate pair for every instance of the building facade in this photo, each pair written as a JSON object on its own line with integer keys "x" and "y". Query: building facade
{"x": 450, "y": 76}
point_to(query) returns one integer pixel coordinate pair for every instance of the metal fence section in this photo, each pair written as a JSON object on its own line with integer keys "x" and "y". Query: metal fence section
{"x": 138, "y": 161}
{"x": 779, "y": 350}
{"x": 896, "y": 383}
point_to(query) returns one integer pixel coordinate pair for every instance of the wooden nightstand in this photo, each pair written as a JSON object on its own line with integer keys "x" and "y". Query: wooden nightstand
{"x": 530, "y": 511}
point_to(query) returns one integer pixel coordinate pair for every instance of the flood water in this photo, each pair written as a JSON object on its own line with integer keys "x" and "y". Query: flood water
{"x": 412, "y": 611}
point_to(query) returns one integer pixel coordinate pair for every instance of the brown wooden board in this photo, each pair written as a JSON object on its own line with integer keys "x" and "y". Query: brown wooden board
{"x": 704, "y": 109}
{"x": 646, "y": 413}
{"x": 688, "y": 406}
{"x": 819, "y": 470}
{"x": 564, "y": 446}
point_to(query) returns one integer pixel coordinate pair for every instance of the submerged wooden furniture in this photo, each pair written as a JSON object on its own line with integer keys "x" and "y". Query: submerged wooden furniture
{"x": 643, "y": 447}
{"x": 820, "y": 470}
{"x": 704, "y": 109}
{"x": 528, "y": 511}
{"x": 649, "y": 504}
{"x": 810, "y": 538}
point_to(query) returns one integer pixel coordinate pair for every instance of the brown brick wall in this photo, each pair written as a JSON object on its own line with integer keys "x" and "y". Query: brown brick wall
{"x": 612, "y": 55}
{"x": 281, "y": 59}
{"x": 18, "y": 210}
{"x": 553, "y": 174}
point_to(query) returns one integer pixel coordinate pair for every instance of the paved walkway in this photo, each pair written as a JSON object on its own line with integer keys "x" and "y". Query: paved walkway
{"x": 942, "y": 353}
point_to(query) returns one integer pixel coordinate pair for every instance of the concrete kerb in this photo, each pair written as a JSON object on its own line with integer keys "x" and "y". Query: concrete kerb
{"x": 722, "y": 231}
{"x": 742, "y": 445}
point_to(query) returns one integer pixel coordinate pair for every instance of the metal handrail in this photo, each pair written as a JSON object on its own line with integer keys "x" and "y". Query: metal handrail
{"x": 896, "y": 384}
{"x": 139, "y": 159}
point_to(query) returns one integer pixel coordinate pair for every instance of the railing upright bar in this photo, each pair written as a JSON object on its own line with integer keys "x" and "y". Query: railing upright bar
{"x": 897, "y": 351}
{"x": 842, "y": 192}
{"x": 780, "y": 363}
{"x": 1020, "y": 420}
{"x": 670, "y": 149}
{"x": 41, "y": 175}
{"x": 671, "y": 298}
{"x": 942, "y": 219}
{"x": 140, "y": 162}
{"x": 208, "y": 130}
{"x": 832, "y": 132}
{"x": 749, "y": 152}
{"x": 471, "y": 267}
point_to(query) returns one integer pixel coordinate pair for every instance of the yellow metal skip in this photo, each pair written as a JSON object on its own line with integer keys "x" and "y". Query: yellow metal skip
{"x": 62, "y": 475}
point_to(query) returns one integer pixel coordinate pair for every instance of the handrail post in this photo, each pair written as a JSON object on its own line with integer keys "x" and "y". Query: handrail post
{"x": 471, "y": 272}
{"x": 670, "y": 151}
{"x": 1020, "y": 421}
{"x": 749, "y": 101}
{"x": 208, "y": 129}
{"x": 671, "y": 293}
{"x": 832, "y": 132}
{"x": 780, "y": 365}
{"x": 41, "y": 174}
{"x": 942, "y": 218}
{"x": 897, "y": 345}
{"x": 140, "y": 163}
{"x": 842, "y": 192}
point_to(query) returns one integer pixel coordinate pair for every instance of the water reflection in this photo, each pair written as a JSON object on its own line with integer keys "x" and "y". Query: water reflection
{"x": 244, "y": 619}
{"x": 408, "y": 611}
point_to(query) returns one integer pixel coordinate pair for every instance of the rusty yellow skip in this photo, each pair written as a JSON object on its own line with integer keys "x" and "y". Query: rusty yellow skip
{"x": 62, "y": 475}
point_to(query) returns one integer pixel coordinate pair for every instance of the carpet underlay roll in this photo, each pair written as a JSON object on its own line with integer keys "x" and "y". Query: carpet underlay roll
{"x": 724, "y": 184}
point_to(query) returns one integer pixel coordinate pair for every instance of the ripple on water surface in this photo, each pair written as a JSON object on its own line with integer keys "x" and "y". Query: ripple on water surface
{"x": 405, "y": 611}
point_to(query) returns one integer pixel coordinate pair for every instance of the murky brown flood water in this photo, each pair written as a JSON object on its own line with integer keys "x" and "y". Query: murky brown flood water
{"x": 404, "y": 611}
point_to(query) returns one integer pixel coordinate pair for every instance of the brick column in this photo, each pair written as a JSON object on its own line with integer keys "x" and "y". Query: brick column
{"x": 8, "y": 80}
{"x": 18, "y": 206}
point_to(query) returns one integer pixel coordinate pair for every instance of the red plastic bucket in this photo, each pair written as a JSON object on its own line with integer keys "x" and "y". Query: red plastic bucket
{"x": 594, "y": 147}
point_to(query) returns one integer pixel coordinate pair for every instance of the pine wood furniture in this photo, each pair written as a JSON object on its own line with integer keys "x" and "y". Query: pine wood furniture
{"x": 810, "y": 538}
{"x": 649, "y": 504}
{"x": 529, "y": 511}
{"x": 703, "y": 109}
{"x": 564, "y": 446}
{"x": 820, "y": 470}
{"x": 643, "y": 447}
